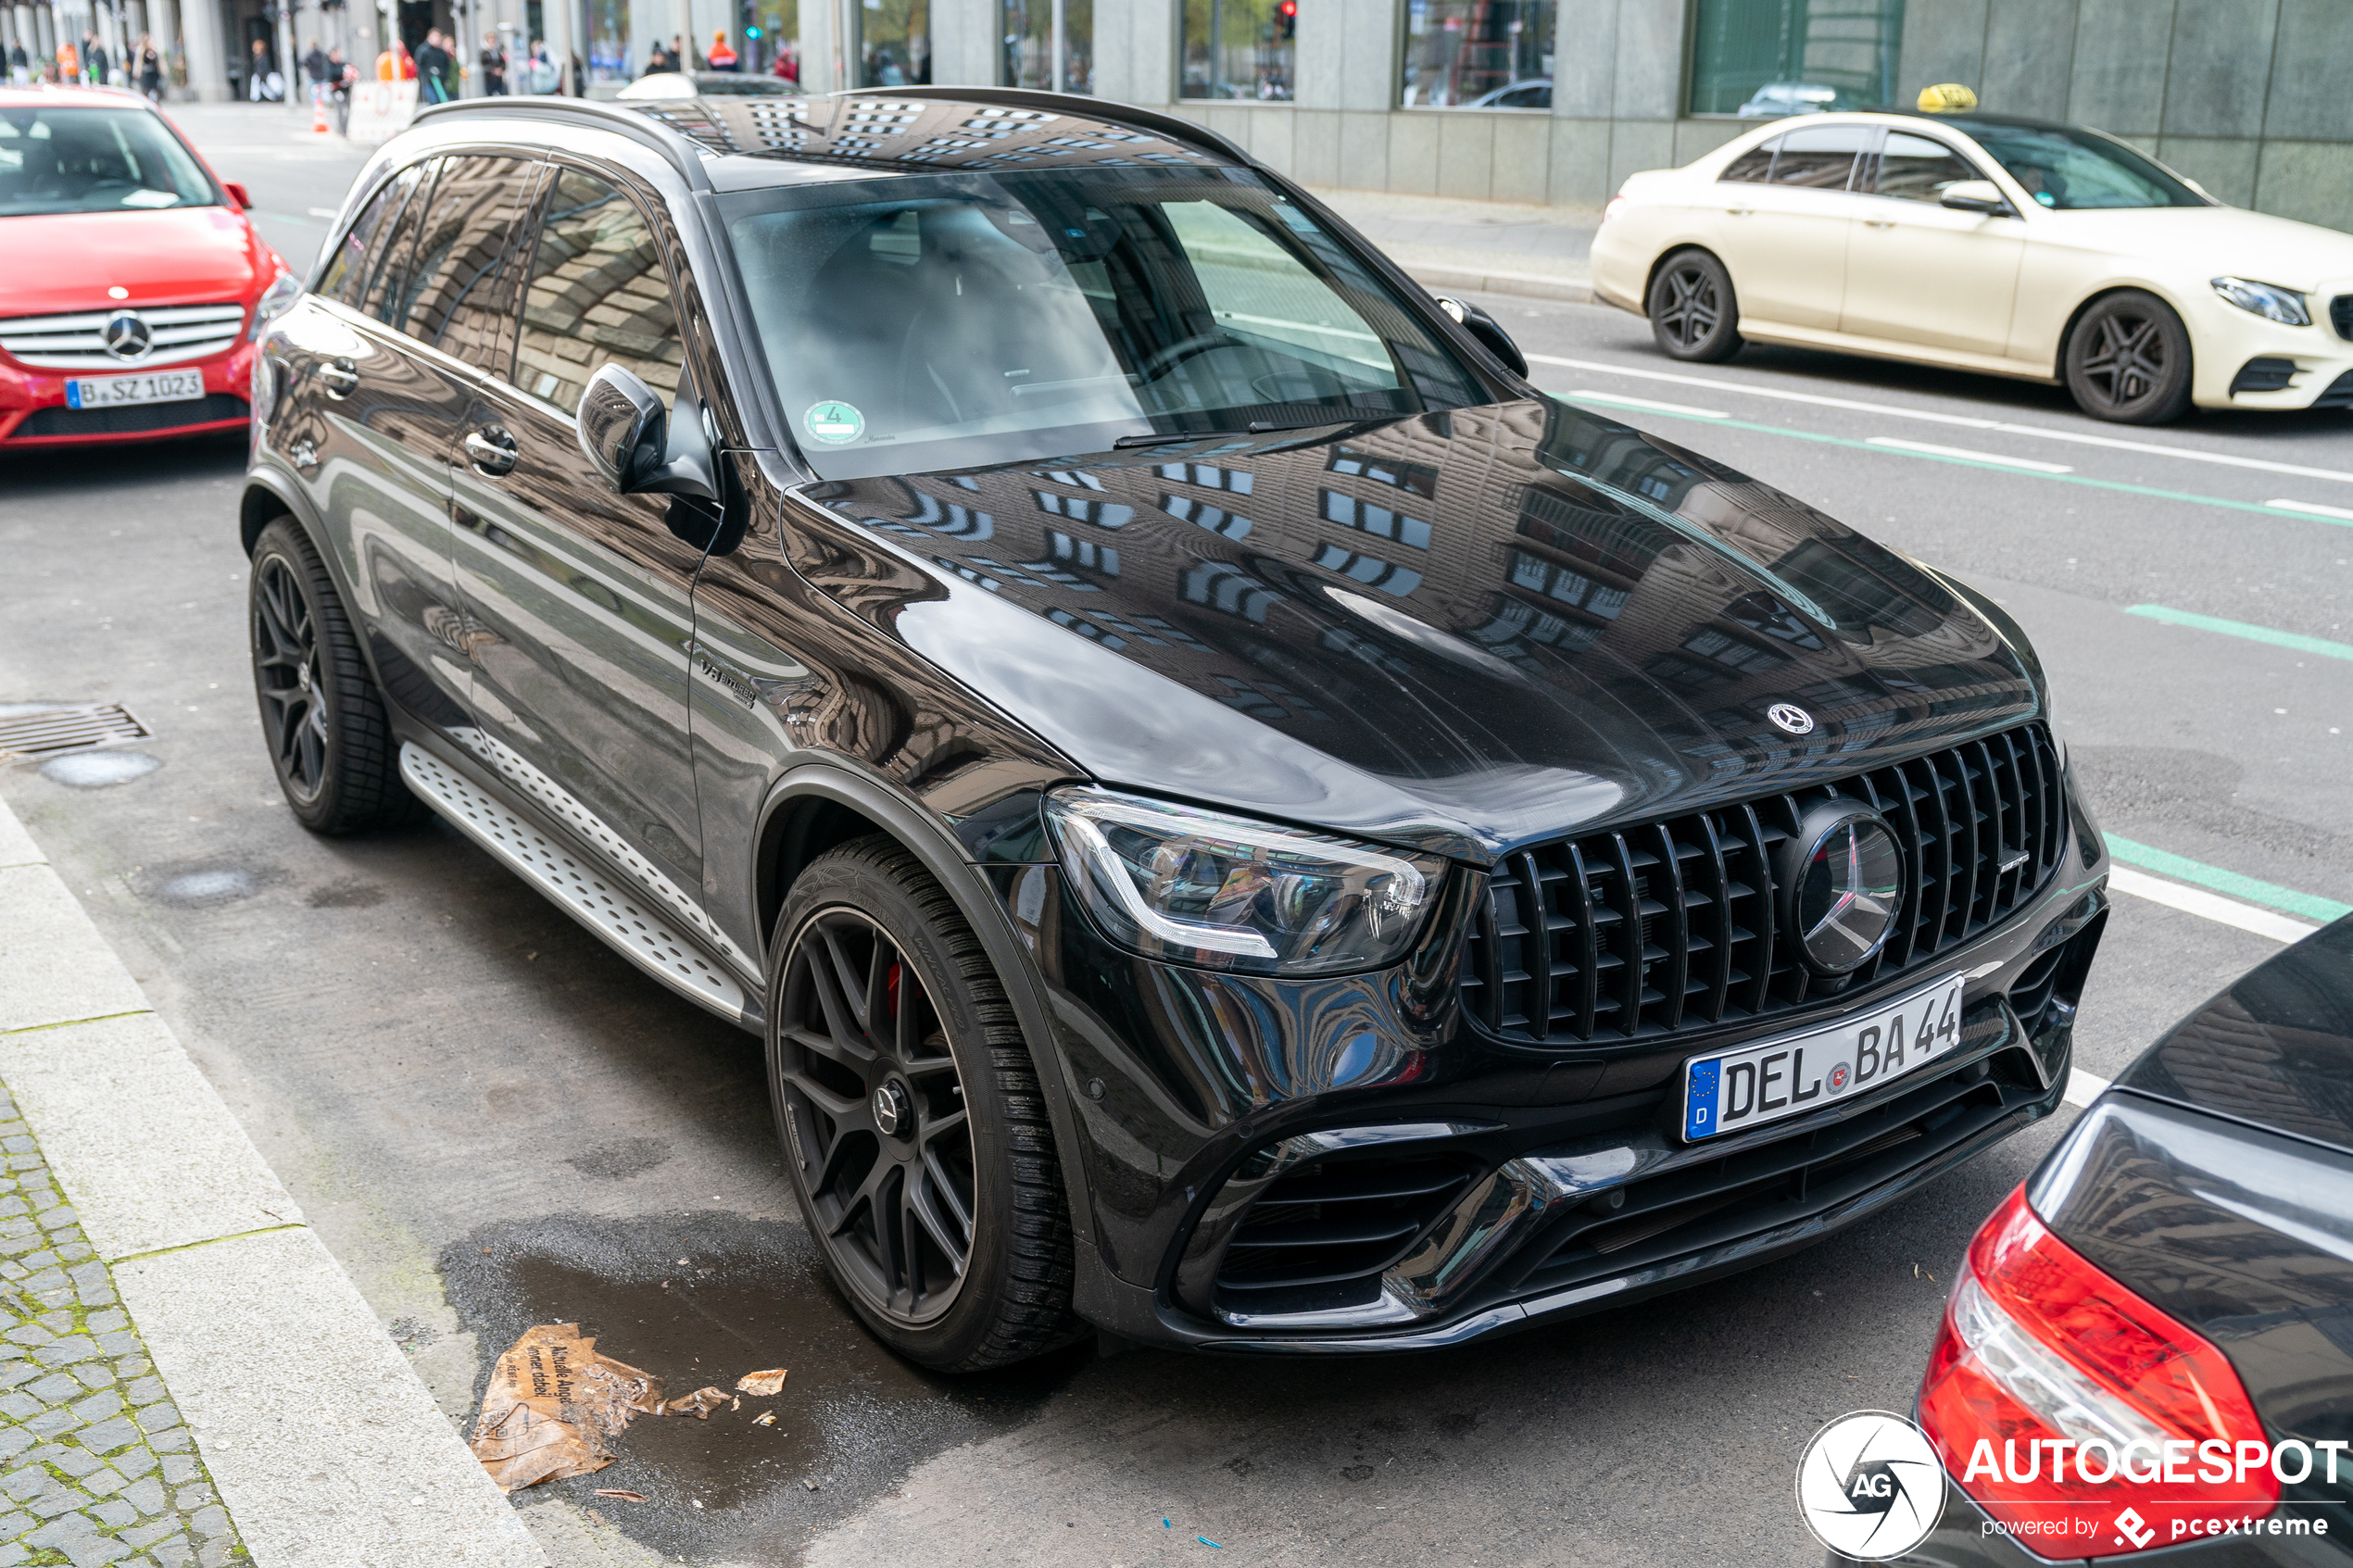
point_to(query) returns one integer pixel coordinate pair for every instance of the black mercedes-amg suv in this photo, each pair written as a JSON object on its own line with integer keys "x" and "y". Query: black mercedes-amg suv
{"x": 1242, "y": 824}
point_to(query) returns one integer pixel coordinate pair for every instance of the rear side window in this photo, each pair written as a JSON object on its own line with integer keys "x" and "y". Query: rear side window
{"x": 599, "y": 295}
{"x": 1820, "y": 158}
{"x": 1916, "y": 169}
{"x": 1753, "y": 167}
{"x": 460, "y": 294}
{"x": 347, "y": 275}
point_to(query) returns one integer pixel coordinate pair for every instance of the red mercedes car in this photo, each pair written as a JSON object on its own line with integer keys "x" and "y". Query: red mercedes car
{"x": 134, "y": 285}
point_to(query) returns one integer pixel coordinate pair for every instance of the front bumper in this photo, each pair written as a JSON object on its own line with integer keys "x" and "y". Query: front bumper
{"x": 1459, "y": 1186}
{"x": 2226, "y": 340}
{"x": 34, "y": 412}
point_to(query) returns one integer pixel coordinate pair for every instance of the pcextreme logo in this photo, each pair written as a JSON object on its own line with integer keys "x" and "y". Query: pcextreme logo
{"x": 1869, "y": 1486}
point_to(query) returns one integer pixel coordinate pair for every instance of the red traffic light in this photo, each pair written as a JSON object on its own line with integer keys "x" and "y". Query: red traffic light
{"x": 1288, "y": 7}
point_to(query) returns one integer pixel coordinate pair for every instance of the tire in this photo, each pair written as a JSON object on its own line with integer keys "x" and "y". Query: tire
{"x": 867, "y": 1074}
{"x": 322, "y": 715}
{"x": 1693, "y": 313}
{"x": 2128, "y": 360}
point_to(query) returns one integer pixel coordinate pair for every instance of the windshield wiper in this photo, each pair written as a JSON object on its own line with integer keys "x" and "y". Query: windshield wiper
{"x": 1257, "y": 427}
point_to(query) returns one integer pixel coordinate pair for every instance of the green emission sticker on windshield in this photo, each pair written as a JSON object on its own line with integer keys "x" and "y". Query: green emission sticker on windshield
{"x": 834, "y": 423}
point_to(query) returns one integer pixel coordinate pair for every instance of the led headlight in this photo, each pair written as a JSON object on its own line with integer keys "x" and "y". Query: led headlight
{"x": 276, "y": 300}
{"x": 1198, "y": 887}
{"x": 2267, "y": 300}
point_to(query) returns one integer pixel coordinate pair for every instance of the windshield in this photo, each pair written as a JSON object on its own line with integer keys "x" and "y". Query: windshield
{"x": 94, "y": 160}
{"x": 2063, "y": 168}
{"x": 970, "y": 320}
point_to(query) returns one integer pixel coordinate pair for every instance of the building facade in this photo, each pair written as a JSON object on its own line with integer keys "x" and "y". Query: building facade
{"x": 1542, "y": 101}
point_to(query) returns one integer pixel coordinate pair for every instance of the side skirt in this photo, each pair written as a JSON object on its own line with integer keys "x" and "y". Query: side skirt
{"x": 582, "y": 890}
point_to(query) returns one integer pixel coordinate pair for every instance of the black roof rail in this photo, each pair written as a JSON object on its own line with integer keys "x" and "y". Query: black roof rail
{"x": 1169, "y": 126}
{"x": 683, "y": 152}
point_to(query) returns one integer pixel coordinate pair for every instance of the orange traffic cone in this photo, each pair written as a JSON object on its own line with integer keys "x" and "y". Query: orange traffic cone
{"x": 318, "y": 116}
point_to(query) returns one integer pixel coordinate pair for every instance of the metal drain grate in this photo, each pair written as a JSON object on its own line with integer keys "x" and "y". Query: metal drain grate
{"x": 52, "y": 729}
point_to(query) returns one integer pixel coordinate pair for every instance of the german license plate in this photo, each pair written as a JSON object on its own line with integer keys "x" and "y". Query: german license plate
{"x": 1736, "y": 1090}
{"x": 114, "y": 392}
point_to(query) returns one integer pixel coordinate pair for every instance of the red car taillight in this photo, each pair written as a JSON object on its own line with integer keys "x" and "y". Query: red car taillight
{"x": 2041, "y": 1356}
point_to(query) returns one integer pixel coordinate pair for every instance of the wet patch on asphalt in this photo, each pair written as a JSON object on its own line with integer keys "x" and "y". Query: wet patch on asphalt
{"x": 619, "y": 1161}
{"x": 203, "y": 884}
{"x": 98, "y": 769}
{"x": 748, "y": 1295}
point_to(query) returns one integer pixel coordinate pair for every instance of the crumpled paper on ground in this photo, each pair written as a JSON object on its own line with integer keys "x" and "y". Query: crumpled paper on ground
{"x": 699, "y": 1404}
{"x": 762, "y": 1384}
{"x": 553, "y": 1403}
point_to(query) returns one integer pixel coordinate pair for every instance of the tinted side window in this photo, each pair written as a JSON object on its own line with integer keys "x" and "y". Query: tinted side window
{"x": 345, "y": 278}
{"x": 1821, "y": 157}
{"x": 1918, "y": 169}
{"x": 460, "y": 295}
{"x": 381, "y": 293}
{"x": 597, "y": 295}
{"x": 1753, "y": 167}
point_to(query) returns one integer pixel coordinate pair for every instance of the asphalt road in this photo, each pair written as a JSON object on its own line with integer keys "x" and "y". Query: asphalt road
{"x": 494, "y": 1121}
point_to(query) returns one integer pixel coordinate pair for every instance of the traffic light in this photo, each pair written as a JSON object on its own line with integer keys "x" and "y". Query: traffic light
{"x": 1288, "y": 15}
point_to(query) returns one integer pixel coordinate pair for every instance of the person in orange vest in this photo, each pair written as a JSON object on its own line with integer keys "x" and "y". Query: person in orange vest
{"x": 393, "y": 64}
{"x": 721, "y": 56}
{"x": 69, "y": 62}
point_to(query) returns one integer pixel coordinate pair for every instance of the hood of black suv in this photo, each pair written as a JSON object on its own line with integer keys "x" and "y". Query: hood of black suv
{"x": 1461, "y": 630}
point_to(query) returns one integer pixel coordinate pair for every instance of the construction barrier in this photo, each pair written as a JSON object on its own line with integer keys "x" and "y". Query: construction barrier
{"x": 380, "y": 110}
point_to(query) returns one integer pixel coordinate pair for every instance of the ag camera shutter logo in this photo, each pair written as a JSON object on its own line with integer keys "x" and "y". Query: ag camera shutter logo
{"x": 1870, "y": 1487}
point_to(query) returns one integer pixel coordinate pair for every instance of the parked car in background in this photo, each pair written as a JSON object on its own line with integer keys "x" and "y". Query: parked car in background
{"x": 2179, "y": 1270}
{"x": 673, "y": 84}
{"x": 131, "y": 283}
{"x": 1986, "y": 243}
{"x": 1776, "y": 99}
{"x": 1535, "y": 93}
{"x": 1241, "y": 824}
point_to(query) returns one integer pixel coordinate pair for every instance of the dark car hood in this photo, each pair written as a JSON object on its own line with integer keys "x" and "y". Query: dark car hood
{"x": 1467, "y": 629}
{"x": 2275, "y": 1049}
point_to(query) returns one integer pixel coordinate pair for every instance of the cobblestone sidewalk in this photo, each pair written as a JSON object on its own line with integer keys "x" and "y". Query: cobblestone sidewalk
{"x": 95, "y": 1466}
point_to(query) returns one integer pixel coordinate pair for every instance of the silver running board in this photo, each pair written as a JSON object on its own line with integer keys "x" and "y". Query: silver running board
{"x": 589, "y": 895}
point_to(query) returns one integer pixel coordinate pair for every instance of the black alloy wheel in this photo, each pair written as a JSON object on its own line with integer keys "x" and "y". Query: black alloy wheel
{"x": 2128, "y": 360}
{"x": 330, "y": 741}
{"x": 1694, "y": 314}
{"x": 913, "y": 1121}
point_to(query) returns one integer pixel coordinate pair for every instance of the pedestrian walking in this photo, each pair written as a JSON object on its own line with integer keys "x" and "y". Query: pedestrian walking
{"x": 66, "y": 66}
{"x": 431, "y": 57}
{"x": 149, "y": 64}
{"x": 395, "y": 64}
{"x": 94, "y": 59}
{"x": 315, "y": 73}
{"x": 20, "y": 65}
{"x": 263, "y": 84}
{"x": 721, "y": 57}
{"x": 339, "y": 82}
{"x": 494, "y": 67}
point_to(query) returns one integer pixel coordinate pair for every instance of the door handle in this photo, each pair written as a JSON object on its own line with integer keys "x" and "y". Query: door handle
{"x": 1738, "y": 211}
{"x": 492, "y": 450}
{"x": 340, "y": 377}
{"x": 1879, "y": 223}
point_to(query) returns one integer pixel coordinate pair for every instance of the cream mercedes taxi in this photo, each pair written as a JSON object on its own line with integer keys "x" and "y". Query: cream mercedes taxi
{"x": 1986, "y": 243}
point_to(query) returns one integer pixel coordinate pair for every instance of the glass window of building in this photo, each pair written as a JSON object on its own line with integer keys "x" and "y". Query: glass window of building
{"x": 609, "y": 41}
{"x": 1043, "y": 34}
{"x": 772, "y": 37}
{"x": 1478, "y": 54}
{"x": 894, "y": 43}
{"x": 1761, "y": 59}
{"x": 1240, "y": 49}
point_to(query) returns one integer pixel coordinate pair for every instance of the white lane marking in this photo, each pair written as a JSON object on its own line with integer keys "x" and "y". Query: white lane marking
{"x": 1650, "y": 402}
{"x": 2044, "y": 433}
{"x": 1972, "y": 454}
{"x": 320, "y": 211}
{"x": 2310, "y": 509}
{"x": 2083, "y": 1087}
{"x": 2210, "y": 906}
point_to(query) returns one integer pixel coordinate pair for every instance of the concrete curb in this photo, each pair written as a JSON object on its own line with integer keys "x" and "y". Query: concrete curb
{"x": 1533, "y": 286}
{"x": 321, "y": 1440}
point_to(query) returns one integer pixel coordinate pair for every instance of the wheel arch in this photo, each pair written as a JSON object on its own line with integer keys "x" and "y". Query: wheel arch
{"x": 1667, "y": 253}
{"x": 2108, "y": 291}
{"x": 818, "y": 805}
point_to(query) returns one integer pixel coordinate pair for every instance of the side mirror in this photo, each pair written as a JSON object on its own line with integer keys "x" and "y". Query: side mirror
{"x": 239, "y": 194}
{"x": 621, "y": 426}
{"x": 1488, "y": 330}
{"x": 1975, "y": 195}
